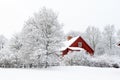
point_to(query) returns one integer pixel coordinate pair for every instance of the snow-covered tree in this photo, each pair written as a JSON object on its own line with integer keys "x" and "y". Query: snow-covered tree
{"x": 6, "y": 58}
{"x": 73, "y": 33}
{"x": 118, "y": 36}
{"x": 42, "y": 32}
{"x": 3, "y": 41}
{"x": 15, "y": 43}
{"x": 14, "y": 46}
{"x": 92, "y": 36}
{"x": 109, "y": 37}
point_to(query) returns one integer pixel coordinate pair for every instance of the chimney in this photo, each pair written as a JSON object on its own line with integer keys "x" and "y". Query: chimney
{"x": 69, "y": 38}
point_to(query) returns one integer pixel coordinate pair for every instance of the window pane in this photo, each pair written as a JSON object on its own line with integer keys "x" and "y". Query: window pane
{"x": 79, "y": 44}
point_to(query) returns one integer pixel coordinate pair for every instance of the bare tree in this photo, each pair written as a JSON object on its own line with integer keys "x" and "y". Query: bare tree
{"x": 109, "y": 36}
{"x": 92, "y": 36}
{"x": 118, "y": 34}
{"x": 73, "y": 33}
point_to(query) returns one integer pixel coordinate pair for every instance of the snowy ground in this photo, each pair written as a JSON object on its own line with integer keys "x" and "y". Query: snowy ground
{"x": 61, "y": 73}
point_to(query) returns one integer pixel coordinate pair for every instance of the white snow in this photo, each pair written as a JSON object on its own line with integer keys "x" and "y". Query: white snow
{"x": 61, "y": 73}
{"x": 68, "y": 43}
{"x": 76, "y": 48}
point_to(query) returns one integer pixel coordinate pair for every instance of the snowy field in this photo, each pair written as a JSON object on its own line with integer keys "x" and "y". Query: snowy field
{"x": 61, "y": 73}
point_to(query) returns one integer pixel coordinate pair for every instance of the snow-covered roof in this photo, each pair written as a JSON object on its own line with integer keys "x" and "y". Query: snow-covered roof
{"x": 68, "y": 43}
{"x": 76, "y": 48}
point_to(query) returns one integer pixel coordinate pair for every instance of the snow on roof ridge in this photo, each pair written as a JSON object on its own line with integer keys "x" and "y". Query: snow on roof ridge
{"x": 68, "y": 43}
{"x": 71, "y": 41}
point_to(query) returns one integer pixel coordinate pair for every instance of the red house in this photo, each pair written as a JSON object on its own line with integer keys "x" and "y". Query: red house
{"x": 76, "y": 44}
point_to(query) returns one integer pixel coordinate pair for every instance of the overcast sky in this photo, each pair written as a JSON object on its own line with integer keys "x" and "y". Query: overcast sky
{"x": 74, "y": 14}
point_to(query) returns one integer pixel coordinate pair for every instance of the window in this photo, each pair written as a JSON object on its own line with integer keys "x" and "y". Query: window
{"x": 79, "y": 44}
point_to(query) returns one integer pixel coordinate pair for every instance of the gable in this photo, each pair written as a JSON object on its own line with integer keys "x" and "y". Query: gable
{"x": 84, "y": 45}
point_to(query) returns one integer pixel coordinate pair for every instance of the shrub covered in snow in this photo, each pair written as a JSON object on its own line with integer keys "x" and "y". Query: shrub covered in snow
{"x": 83, "y": 59}
{"x": 76, "y": 58}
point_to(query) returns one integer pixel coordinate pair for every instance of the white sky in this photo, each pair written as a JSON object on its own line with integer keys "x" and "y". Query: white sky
{"x": 74, "y": 14}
